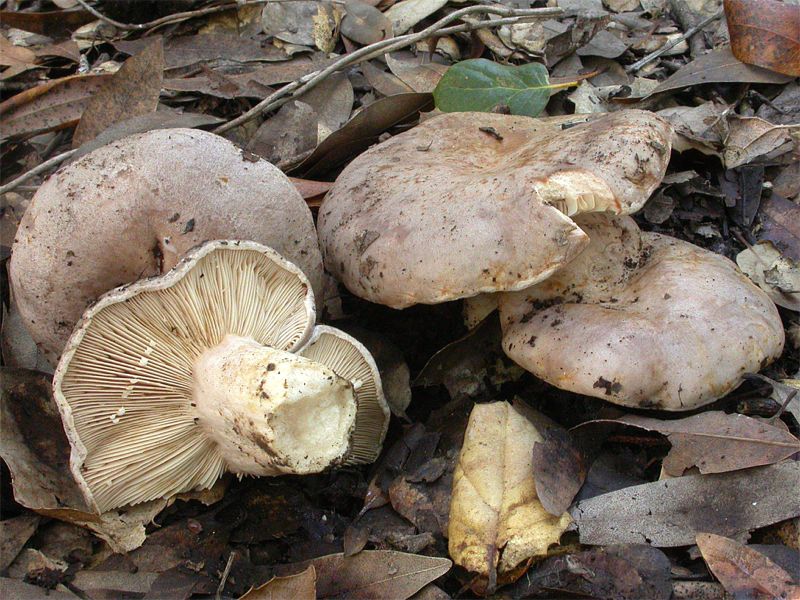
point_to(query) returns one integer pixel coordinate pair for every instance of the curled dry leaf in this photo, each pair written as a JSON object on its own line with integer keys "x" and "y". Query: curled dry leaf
{"x": 752, "y": 139}
{"x": 496, "y": 518}
{"x": 673, "y": 511}
{"x": 765, "y": 33}
{"x": 774, "y": 273}
{"x": 302, "y": 586}
{"x": 131, "y": 92}
{"x": 745, "y": 572}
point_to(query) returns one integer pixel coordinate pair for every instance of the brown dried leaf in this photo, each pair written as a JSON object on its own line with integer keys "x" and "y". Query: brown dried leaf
{"x": 372, "y": 574}
{"x": 559, "y": 470}
{"x": 765, "y": 33}
{"x": 132, "y": 91}
{"x": 302, "y": 586}
{"x": 744, "y": 572}
{"x": 53, "y": 105}
{"x": 780, "y": 221}
{"x": 15, "y": 56}
{"x": 362, "y": 131}
{"x": 671, "y": 512}
{"x": 717, "y": 442}
{"x": 50, "y": 23}
{"x": 14, "y": 534}
{"x": 718, "y": 66}
{"x": 419, "y": 76}
{"x": 623, "y": 572}
{"x": 751, "y": 138}
{"x": 496, "y": 519}
{"x": 188, "y": 50}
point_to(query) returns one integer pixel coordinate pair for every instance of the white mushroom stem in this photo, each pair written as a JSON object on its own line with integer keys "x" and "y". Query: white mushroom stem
{"x": 272, "y": 412}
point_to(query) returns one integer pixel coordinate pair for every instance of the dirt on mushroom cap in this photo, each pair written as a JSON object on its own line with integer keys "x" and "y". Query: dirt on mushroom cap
{"x": 132, "y": 208}
{"x": 447, "y": 210}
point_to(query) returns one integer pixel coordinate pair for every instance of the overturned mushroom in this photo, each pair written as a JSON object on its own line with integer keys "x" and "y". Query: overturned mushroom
{"x": 467, "y": 203}
{"x": 643, "y": 320}
{"x": 132, "y": 208}
{"x": 215, "y": 366}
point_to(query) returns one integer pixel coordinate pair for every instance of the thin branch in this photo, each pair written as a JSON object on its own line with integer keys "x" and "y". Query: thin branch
{"x": 37, "y": 170}
{"x": 689, "y": 33}
{"x": 302, "y": 85}
{"x": 182, "y": 16}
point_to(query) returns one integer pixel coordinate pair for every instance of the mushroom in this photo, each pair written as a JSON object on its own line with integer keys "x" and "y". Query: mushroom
{"x": 467, "y": 203}
{"x": 215, "y": 366}
{"x": 642, "y": 320}
{"x": 132, "y": 208}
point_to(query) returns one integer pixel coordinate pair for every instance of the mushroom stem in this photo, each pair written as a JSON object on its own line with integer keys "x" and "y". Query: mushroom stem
{"x": 272, "y": 412}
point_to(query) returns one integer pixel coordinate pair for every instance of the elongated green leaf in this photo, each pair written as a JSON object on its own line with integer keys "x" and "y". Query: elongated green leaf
{"x": 482, "y": 85}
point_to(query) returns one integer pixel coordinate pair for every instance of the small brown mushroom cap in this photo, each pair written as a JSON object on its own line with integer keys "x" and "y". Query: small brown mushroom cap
{"x": 642, "y": 320}
{"x": 132, "y": 208}
{"x": 467, "y": 203}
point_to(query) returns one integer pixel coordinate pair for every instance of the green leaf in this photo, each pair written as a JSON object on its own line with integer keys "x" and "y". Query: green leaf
{"x": 481, "y": 85}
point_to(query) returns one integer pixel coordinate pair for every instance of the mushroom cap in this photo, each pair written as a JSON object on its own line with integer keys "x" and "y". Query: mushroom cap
{"x": 144, "y": 418}
{"x": 467, "y": 203}
{"x": 132, "y": 208}
{"x": 642, "y": 320}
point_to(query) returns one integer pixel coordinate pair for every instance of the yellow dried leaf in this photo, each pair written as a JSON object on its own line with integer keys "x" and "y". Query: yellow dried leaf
{"x": 496, "y": 519}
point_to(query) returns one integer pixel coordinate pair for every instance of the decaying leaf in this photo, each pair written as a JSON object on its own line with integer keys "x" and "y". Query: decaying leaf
{"x": 713, "y": 441}
{"x": 36, "y": 450}
{"x": 744, "y": 572}
{"x": 53, "y": 105}
{"x": 361, "y": 131}
{"x": 419, "y": 76}
{"x": 407, "y": 13}
{"x": 752, "y": 139}
{"x": 623, "y": 572}
{"x": 774, "y": 273}
{"x": 496, "y": 518}
{"x": 672, "y": 512}
{"x": 481, "y": 85}
{"x": 780, "y": 224}
{"x": 765, "y": 33}
{"x": 364, "y": 23}
{"x": 559, "y": 469}
{"x": 302, "y": 586}
{"x": 371, "y": 574}
{"x": 132, "y": 91}
{"x": 718, "y": 66}
{"x": 14, "y": 533}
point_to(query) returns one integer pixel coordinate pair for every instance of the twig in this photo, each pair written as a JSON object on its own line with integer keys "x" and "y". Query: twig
{"x": 223, "y": 580}
{"x": 789, "y": 397}
{"x": 46, "y": 165}
{"x": 310, "y": 80}
{"x": 182, "y": 16}
{"x": 689, "y": 33}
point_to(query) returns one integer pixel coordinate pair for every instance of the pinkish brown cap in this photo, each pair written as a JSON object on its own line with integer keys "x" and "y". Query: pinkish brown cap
{"x": 132, "y": 208}
{"x": 642, "y": 320}
{"x": 467, "y": 203}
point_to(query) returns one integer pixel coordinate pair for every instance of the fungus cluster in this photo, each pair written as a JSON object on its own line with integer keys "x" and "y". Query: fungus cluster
{"x": 469, "y": 203}
{"x": 207, "y": 358}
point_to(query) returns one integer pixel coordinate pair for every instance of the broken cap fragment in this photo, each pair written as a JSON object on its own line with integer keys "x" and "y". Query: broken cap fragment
{"x": 215, "y": 366}
{"x": 467, "y": 203}
{"x": 642, "y": 320}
